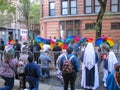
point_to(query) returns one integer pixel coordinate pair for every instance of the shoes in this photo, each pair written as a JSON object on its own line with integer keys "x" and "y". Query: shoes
{"x": 105, "y": 85}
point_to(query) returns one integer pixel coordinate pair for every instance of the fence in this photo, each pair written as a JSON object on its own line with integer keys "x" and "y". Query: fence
{"x": 51, "y": 53}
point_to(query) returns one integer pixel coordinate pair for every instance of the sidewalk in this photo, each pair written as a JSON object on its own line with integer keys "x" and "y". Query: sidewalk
{"x": 41, "y": 86}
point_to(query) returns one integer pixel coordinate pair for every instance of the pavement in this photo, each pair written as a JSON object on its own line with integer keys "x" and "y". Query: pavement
{"x": 41, "y": 86}
{"x": 49, "y": 84}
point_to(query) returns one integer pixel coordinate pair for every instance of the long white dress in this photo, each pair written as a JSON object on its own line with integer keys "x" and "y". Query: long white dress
{"x": 89, "y": 66}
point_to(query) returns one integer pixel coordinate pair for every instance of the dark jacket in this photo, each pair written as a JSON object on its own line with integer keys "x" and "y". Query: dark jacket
{"x": 36, "y": 47}
{"x": 32, "y": 71}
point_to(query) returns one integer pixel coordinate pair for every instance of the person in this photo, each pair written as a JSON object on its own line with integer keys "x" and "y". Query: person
{"x": 70, "y": 77}
{"x": 23, "y": 60}
{"x": 24, "y": 56}
{"x": 108, "y": 65}
{"x": 113, "y": 79}
{"x": 75, "y": 47}
{"x": 2, "y": 47}
{"x": 89, "y": 60}
{"x": 44, "y": 59}
{"x": 17, "y": 48}
{"x": 46, "y": 46}
{"x": 7, "y": 65}
{"x": 32, "y": 73}
{"x": 24, "y": 46}
{"x": 59, "y": 72}
{"x": 57, "y": 49}
{"x": 104, "y": 49}
{"x": 54, "y": 39}
{"x": 36, "y": 51}
{"x": 117, "y": 46}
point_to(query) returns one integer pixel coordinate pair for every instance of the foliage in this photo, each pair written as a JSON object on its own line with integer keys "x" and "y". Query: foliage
{"x": 6, "y": 6}
{"x": 24, "y": 9}
{"x": 30, "y": 12}
{"x": 35, "y": 13}
{"x": 7, "y": 9}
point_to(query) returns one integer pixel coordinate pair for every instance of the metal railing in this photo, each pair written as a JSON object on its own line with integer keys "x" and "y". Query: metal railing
{"x": 51, "y": 53}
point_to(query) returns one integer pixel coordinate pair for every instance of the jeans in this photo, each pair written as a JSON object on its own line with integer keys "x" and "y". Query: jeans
{"x": 45, "y": 72}
{"x": 36, "y": 56}
{"x": 34, "y": 85}
{"x": 9, "y": 83}
{"x": 69, "y": 78}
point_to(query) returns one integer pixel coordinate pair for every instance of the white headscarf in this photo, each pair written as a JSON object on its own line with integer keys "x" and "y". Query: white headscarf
{"x": 89, "y": 56}
{"x": 111, "y": 61}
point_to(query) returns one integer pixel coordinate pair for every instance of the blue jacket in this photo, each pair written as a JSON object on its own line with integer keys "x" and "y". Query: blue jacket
{"x": 32, "y": 71}
{"x": 74, "y": 61}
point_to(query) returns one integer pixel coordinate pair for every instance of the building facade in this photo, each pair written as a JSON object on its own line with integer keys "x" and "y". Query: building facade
{"x": 62, "y": 18}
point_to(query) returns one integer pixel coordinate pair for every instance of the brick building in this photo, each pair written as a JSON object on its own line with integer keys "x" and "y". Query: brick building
{"x": 62, "y": 18}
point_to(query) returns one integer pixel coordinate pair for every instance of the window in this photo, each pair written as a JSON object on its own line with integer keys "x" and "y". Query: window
{"x": 97, "y": 6}
{"x": 64, "y": 7}
{"x": 52, "y": 9}
{"x": 8, "y": 24}
{"x": 42, "y": 11}
{"x": 69, "y": 7}
{"x": 115, "y": 25}
{"x": 114, "y": 6}
{"x": 90, "y": 26}
{"x": 91, "y": 6}
{"x": 73, "y": 5}
{"x": 69, "y": 33}
{"x": 69, "y": 25}
{"x": 88, "y": 6}
{"x": 77, "y": 27}
{"x": 62, "y": 28}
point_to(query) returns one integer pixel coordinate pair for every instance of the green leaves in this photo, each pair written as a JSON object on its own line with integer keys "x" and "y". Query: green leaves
{"x": 35, "y": 13}
{"x": 6, "y": 6}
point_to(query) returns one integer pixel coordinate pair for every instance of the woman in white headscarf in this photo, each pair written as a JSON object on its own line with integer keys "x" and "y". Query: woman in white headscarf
{"x": 108, "y": 66}
{"x": 89, "y": 61}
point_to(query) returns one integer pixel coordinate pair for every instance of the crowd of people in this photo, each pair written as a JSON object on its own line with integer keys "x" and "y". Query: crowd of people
{"x": 31, "y": 62}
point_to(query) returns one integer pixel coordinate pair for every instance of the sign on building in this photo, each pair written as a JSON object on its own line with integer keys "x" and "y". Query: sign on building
{"x": 24, "y": 34}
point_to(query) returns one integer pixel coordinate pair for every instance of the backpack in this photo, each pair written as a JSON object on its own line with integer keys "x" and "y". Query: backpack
{"x": 67, "y": 65}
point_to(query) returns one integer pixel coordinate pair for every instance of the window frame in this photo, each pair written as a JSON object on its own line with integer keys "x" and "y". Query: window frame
{"x": 118, "y": 6}
{"x": 115, "y": 26}
{"x": 50, "y": 10}
{"x": 89, "y": 6}
{"x": 96, "y": 5}
{"x": 73, "y": 7}
{"x": 90, "y": 25}
{"x": 42, "y": 10}
{"x": 64, "y": 8}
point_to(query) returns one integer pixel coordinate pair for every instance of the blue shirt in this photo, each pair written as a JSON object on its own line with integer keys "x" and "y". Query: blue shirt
{"x": 32, "y": 71}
